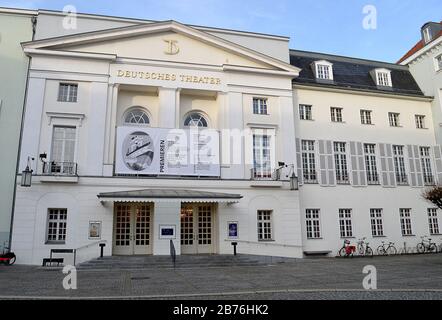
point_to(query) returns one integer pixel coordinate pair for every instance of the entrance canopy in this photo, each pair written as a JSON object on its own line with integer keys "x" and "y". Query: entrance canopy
{"x": 168, "y": 195}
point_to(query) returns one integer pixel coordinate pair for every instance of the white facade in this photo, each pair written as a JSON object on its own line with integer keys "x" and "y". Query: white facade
{"x": 138, "y": 67}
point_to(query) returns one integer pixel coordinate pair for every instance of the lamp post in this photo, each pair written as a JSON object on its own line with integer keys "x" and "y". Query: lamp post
{"x": 26, "y": 175}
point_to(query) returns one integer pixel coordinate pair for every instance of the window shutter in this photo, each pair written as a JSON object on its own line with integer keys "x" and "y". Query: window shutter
{"x": 326, "y": 164}
{"x": 415, "y": 166}
{"x": 387, "y": 167}
{"x": 438, "y": 163}
{"x": 357, "y": 164}
{"x": 299, "y": 162}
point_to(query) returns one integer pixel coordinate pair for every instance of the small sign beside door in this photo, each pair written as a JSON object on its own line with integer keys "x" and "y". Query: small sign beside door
{"x": 232, "y": 228}
{"x": 167, "y": 232}
{"x": 94, "y": 230}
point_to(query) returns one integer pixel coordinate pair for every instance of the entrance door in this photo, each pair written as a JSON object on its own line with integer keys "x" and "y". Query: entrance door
{"x": 132, "y": 229}
{"x": 196, "y": 229}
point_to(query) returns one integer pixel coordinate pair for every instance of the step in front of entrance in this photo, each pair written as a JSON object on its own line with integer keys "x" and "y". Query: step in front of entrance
{"x": 156, "y": 262}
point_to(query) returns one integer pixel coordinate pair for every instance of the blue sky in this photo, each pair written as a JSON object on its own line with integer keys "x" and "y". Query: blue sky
{"x": 323, "y": 25}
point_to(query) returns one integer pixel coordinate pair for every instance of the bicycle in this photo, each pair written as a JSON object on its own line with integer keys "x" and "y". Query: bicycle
{"x": 7, "y": 257}
{"x": 364, "y": 249}
{"x": 426, "y": 246}
{"x": 386, "y": 250}
{"x": 347, "y": 250}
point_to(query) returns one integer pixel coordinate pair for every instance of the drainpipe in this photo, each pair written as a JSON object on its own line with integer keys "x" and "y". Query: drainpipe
{"x": 25, "y": 98}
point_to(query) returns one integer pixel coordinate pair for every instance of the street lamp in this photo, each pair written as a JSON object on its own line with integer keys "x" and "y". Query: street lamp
{"x": 26, "y": 176}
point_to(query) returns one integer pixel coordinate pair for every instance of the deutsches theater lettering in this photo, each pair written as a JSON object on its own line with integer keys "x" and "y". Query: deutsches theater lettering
{"x": 168, "y": 77}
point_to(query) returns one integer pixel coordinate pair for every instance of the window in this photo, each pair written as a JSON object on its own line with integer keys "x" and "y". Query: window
{"x": 305, "y": 112}
{"x": 345, "y": 226}
{"x": 399, "y": 165}
{"x": 67, "y": 92}
{"x": 439, "y": 63}
{"x": 406, "y": 222}
{"x": 426, "y": 166}
{"x": 308, "y": 161}
{"x": 312, "y": 223}
{"x": 383, "y": 79}
{"x": 341, "y": 162}
{"x": 420, "y": 122}
{"x": 265, "y": 225}
{"x": 136, "y": 116}
{"x": 323, "y": 71}
{"x": 427, "y": 34}
{"x": 56, "y": 227}
{"x": 366, "y": 117}
{"x": 394, "y": 119}
{"x": 261, "y": 156}
{"x": 63, "y": 150}
{"x": 259, "y": 106}
{"x": 336, "y": 114}
{"x": 195, "y": 120}
{"x": 433, "y": 223}
{"x": 370, "y": 163}
{"x": 377, "y": 229}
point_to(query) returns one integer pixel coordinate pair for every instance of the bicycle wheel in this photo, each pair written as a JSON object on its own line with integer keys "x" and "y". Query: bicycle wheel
{"x": 12, "y": 261}
{"x": 432, "y": 248}
{"x": 391, "y": 251}
{"x": 420, "y": 248}
{"x": 369, "y": 252}
{"x": 342, "y": 252}
{"x": 381, "y": 251}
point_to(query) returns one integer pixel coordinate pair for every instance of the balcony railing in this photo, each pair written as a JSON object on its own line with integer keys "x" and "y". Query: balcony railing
{"x": 60, "y": 168}
{"x": 265, "y": 174}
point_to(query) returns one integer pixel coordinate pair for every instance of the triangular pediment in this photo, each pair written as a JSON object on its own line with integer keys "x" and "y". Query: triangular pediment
{"x": 163, "y": 41}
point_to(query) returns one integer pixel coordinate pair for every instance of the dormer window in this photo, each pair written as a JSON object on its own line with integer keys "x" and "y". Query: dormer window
{"x": 427, "y": 34}
{"x": 323, "y": 70}
{"x": 382, "y": 77}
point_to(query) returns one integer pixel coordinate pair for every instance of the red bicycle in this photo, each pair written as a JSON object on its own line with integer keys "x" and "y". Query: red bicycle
{"x": 347, "y": 250}
{"x": 7, "y": 257}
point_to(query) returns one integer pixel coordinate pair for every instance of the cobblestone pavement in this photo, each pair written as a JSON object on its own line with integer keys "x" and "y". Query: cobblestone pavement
{"x": 399, "y": 277}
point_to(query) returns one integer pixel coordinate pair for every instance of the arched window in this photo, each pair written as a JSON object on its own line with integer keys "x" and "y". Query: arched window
{"x": 195, "y": 119}
{"x": 136, "y": 116}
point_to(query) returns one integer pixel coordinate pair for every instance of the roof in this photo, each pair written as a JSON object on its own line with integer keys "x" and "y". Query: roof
{"x": 354, "y": 73}
{"x": 418, "y": 46}
{"x": 169, "y": 194}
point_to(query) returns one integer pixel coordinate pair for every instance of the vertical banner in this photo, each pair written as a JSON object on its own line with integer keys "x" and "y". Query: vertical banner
{"x": 160, "y": 151}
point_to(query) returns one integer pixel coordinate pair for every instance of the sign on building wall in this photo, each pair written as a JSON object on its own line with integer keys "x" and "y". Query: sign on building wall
{"x": 160, "y": 151}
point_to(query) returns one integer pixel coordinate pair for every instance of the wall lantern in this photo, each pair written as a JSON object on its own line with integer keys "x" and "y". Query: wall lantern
{"x": 26, "y": 175}
{"x": 294, "y": 182}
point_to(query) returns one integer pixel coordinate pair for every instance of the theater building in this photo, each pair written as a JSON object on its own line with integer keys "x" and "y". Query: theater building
{"x": 150, "y": 132}
{"x": 156, "y": 132}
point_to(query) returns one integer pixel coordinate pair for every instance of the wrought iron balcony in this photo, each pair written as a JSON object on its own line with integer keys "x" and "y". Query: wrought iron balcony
{"x": 60, "y": 168}
{"x": 258, "y": 174}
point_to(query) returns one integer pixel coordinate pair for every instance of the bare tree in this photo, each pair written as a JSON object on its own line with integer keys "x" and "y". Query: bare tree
{"x": 434, "y": 195}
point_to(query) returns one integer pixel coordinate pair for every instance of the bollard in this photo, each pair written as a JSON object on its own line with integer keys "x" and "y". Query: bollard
{"x": 234, "y": 244}
{"x": 102, "y": 245}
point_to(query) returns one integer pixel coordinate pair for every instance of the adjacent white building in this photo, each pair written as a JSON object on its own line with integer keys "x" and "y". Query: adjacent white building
{"x": 146, "y": 132}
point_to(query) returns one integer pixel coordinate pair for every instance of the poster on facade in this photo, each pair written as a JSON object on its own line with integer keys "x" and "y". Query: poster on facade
{"x": 160, "y": 151}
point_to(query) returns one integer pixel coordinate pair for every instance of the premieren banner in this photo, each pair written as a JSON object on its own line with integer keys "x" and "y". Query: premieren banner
{"x": 161, "y": 151}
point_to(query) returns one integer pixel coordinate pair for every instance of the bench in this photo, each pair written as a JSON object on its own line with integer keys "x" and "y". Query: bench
{"x": 50, "y": 261}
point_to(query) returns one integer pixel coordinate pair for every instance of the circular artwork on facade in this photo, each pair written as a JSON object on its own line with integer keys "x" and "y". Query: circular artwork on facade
{"x": 138, "y": 151}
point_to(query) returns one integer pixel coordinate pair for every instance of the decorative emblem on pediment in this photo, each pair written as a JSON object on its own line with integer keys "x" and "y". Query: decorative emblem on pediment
{"x": 171, "y": 47}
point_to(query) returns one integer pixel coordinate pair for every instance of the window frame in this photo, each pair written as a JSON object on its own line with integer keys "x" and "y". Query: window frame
{"x": 261, "y": 106}
{"x": 262, "y": 228}
{"x": 135, "y": 109}
{"x": 366, "y": 115}
{"x": 406, "y": 222}
{"x": 346, "y": 223}
{"x": 394, "y": 119}
{"x": 427, "y": 167}
{"x": 308, "y": 160}
{"x": 201, "y": 115}
{"x": 313, "y": 224}
{"x": 341, "y": 162}
{"x": 371, "y": 166}
{"x": 264, "y": 170}
{"x": 399, "y": 162}
{"x": 58, "y": 220}
{"x": 439, "y": 63}
{"x": 68, "y": 94}
{"x": 305, "y": 112}
{"x": 336, "y": 115}
{"x": 433, "y": 221}
{"x": 377, "y": 222}
{"x": 419, "y": 120}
